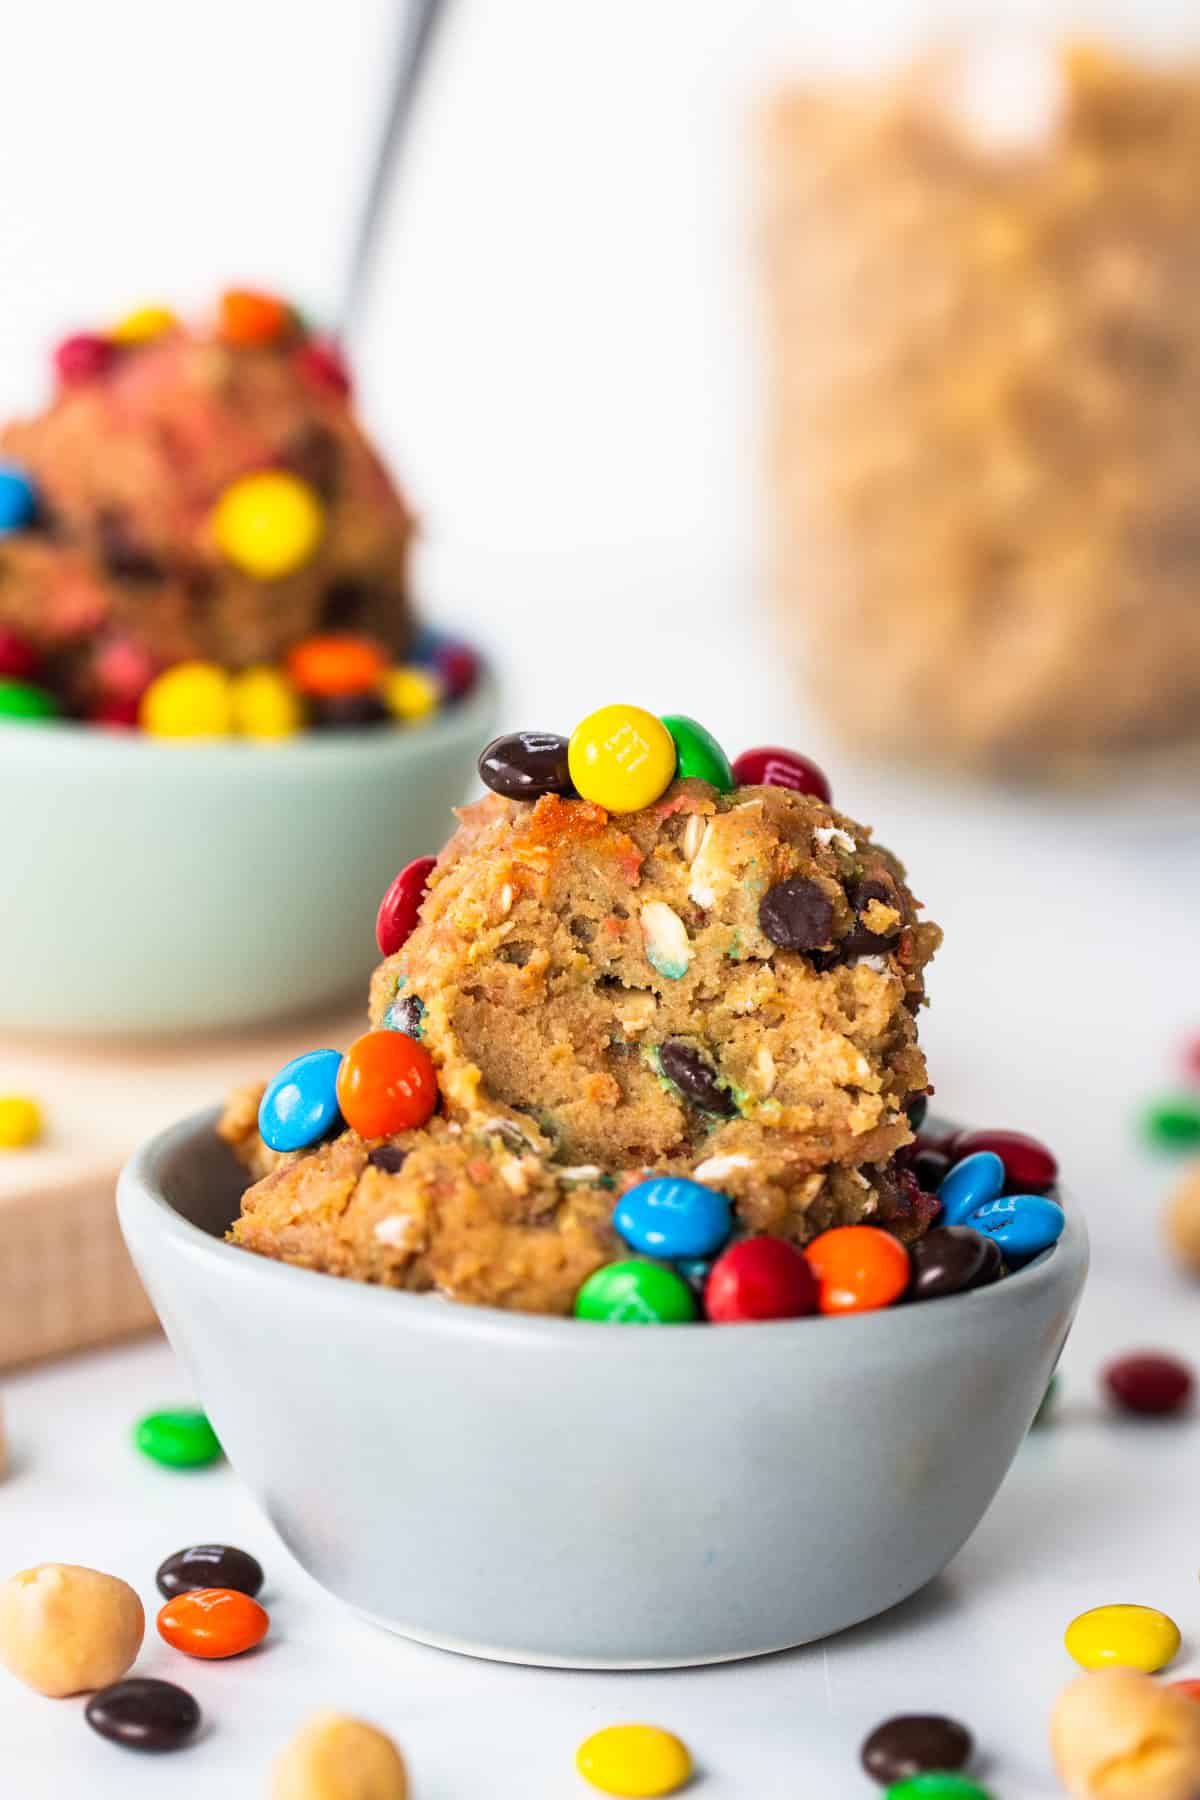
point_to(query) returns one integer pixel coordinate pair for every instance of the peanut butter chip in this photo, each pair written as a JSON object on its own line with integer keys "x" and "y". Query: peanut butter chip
{"x": 1118, "y": 1735}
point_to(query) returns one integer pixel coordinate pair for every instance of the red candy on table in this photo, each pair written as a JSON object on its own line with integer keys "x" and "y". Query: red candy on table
{"x": 759, "y": 1278}
{"x": 1149, "y": 1382}
{"x": 387, "y": 1083}
{"x": 859, "y": 1268}
{"x": 1191, "y": 1059}
{"x": 18, "y": 659}
{"x": 325, "y": 367}
{"x": 213, "y": 1622}
{"x": 84, "y": 357}
{"x": 400, "y": 907}
{"x": 772, "y": 767}
{"x": 1028, "y": 1166}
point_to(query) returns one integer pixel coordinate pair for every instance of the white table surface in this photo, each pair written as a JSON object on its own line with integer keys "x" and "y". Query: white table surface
{"x": 1068, "y": 979}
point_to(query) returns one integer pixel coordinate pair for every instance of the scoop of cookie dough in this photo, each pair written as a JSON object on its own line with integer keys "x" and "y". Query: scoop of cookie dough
{"x": 121, "y": 558}
{"x": 724, "y": 986}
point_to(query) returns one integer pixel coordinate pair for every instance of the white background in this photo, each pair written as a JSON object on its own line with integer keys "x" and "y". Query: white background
{"x": 560, "y": 356}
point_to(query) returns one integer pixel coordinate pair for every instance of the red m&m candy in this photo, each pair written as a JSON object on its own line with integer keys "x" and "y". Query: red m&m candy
{"x": 759, "y": 1278}
{"x": 1149, "y": 1382}
{"x": 1029, "y": 1168}
{"x": 117, "y": 715}
{"x": 18, "y": 658}
{"x": 400, "y": 908}
{"x": 772, "y": 767}
{"x": 387, "y": 1083}
{"x": 84, "y": 357}
{"x": 324, "y": 366}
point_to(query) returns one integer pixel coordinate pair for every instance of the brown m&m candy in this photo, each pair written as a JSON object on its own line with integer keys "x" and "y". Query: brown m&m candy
{"x": 915, "y": 1744}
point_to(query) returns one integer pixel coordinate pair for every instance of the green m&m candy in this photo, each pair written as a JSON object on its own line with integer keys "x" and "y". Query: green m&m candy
{"x": 182, "y": 1439}
{"x": 936, "y": 1786}
{"x": 1173, "y": 1123}
{"x": 635, "y": 1293}
{"x": 698, "y": 752}
{"x": 22, "y": 700}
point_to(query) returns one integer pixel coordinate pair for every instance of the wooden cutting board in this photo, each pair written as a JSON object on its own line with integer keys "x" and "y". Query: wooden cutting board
{"x": 66, "y": 1281}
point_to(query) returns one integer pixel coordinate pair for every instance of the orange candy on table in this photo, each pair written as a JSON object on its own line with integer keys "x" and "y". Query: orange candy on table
{"x": 252, "y": 318}
{"x": 334, "y": 664}
{"x": 213, "y": 1622}
{"x": 387, "y": 1083}
{"x": 858, "y": 1267}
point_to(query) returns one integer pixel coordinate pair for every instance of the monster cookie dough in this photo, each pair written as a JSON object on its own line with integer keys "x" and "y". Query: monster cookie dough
{"x": 722, "y": 985}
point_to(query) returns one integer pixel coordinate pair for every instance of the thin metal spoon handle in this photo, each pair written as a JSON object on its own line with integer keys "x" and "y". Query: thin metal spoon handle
{"x": 412, "y": 55}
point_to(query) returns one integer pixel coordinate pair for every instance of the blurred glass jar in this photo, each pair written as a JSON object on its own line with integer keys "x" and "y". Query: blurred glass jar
{"x": 982, "y": 241}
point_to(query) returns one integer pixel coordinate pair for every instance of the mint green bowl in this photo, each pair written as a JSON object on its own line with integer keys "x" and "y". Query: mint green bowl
{"x": 152, "y": 888}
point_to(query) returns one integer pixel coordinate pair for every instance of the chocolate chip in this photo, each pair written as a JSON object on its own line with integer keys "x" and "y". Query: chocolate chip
{"x": 915, "y": 1744}
{"x": 930, "y": 1168}
{"x": 796, "y": 914}
{"x": 350, "y": 712}
{"x": 388, "y": 1157}
{"x": 695, "y": 1078}
{"x": 859, "y": 941}
{"x": 345, "y": 605}
{"x": 524, "y": 765}
{"x": 405, "y": 1014}
{"x": 951, "y": 1259}
{"x": 209, "y": 1566}
{"x": 121, "y": 553}
{"x": 143, "y": 1714}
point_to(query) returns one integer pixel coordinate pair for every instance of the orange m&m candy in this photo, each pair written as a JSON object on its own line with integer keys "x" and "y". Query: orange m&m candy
{"x": 387, "y": 1083}
{"x": 1189, "y": 1687}
{"x": 250, "y": 318}
{"x": 858, "y": 1267}
{"x": 213, "y": 1622}
{"x": 332, "y": 664}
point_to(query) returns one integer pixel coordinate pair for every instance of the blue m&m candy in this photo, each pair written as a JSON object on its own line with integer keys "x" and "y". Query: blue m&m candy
{"x": 970, "y": 1184}
{"x": 18, "y": 498}
{"x": 301, "y": 1103}
{"x": 1022, "y": 1224}
{"x": 673, "y": 1218}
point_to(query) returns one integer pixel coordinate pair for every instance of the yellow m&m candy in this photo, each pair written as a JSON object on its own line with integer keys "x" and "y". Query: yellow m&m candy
{"x": 143, "y": 325}
{"x": 194, "y": 699}
{"x": 268, "y": 524}
{"x": 1135, "y": 1637}
{"x": 411, "y": 693}
{"x": 621, "y": 757}
{"x": 265, "y": 704}
{"x": 636, "y": 1760}
{"x": 20, "y": 1121}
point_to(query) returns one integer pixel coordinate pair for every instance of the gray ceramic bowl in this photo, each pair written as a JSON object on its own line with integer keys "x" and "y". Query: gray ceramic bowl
{"x": 549, "y": 1491}
{"x": 157, "y": 887}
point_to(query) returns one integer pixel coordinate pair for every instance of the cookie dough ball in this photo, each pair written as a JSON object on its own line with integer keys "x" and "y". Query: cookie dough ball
{"x": 1118, "y": 1735}
{"x": 728, "y": 979}
{"x": 130, "y": 555}
{"x": 1182, "y": 1221}
{"x": 334, "y": 1757}
{"x": 68, "y": 1630}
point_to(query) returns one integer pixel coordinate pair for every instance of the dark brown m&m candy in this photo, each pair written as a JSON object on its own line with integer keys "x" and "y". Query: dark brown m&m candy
{"x": 769, "y": 766}
{"x": 915, "y": 1744}
{"x": 695, "y": 1077}
{"x": 144, "y": 1714}
{"x": 951, "y": 1259}
{"x": 209, "y": 1566}
{"x": 524, "y": 765}
{"x": 350, "y": 712}
{"x": 796, "y": 914}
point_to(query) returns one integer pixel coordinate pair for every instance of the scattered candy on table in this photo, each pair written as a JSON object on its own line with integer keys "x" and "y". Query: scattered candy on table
{"x": 1045, "y": 1413}
{"x": 179, "y": 1439}
{"x": 1117, "y": 1735}
{"x": 858, "y": 1268}
{"x": 20, "y": 1121}
{"x": 1173, "y": 1123}
{"x": 621, "y": 757}
{"x": 936, "y": 1785}
{"x": 209, "y": 1566}
{"x": 914, "y": 1743}
{"x": 143, "y": 1714}
{"x": 1149, "y": 1382}
{"x": 635, "y": 1293}
{"x": 334, "y": 1757}
{"x": 213, "y": 1623}
{"x": 1181, "y": 1221}
{"x": 634, "y": 1760}
{"x": 1135, "y": 1637}
{"x": 387, "y": 1083}
{"x": 268, "y": 525}
{"x": 400, "y": 907}
{"x": 300, "y": 1103}
{"x": 68, "y": 1630}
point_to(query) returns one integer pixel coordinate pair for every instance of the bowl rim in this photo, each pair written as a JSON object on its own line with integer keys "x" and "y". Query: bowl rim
{"x": 58, "y": 743}
{"x": 139, "y": 1192}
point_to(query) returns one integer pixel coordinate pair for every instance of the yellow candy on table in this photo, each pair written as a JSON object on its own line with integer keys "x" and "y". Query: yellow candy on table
{"x": 265, "y": 704}
{"x": 20, "y": 1121}
{"x": 191, "y": 700}
{"x": 143, "y": 325}
{"x": 621, "y": 757}
{"x": 411, "y": 693}
{"x": 269, "y": 524}
{"x": 634, "y": 1760}
{"x": 1129, "y": 1637}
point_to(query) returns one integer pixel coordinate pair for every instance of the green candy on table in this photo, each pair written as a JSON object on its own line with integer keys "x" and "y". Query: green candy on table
{"x": 937, "y": 1786}
{"x": 182, "y": 1439}
{"x": 698, "y": 753}
{"x": 1045, "y": 1413}
{"x": 635, "y": 1293}
{"x": 1173, "y": 1123}
{"x": 22, "y": 700}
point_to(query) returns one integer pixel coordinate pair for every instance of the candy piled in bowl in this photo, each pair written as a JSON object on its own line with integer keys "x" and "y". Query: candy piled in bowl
{"x": 198, "y": 540}
{"x": 643, "y": 1048}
